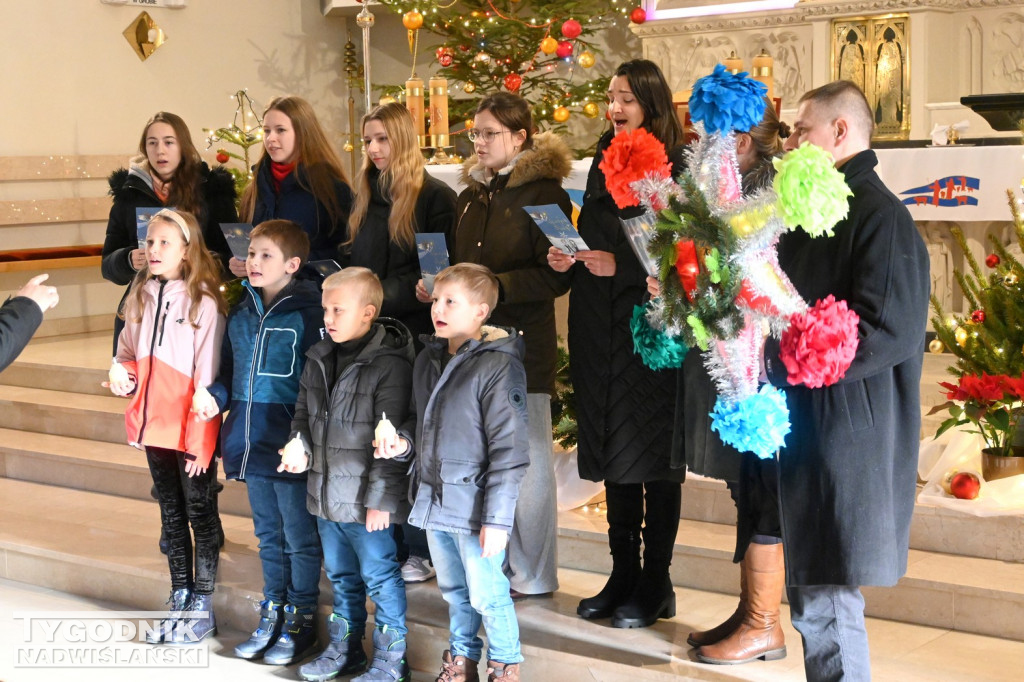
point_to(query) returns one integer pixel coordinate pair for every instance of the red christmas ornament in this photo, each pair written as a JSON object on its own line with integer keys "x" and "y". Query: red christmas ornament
{"x": 638, "y": 15}
{"x": 992, "y": 260}
{"x": 513, "y": 81}
{"x": 445, "y": 60}
{"x": 978, "y": 317}
{"x": 464, "y": 48}
{"x": 571, "y": 29}
{"x": 564, "y": 49}
{"x": 222, "y": 156}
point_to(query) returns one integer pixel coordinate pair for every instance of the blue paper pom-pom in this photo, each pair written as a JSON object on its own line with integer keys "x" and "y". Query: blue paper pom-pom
{"x": 758, "y": 423}
{"x": 657, "y": 349}
{"x": 726, "y": 102}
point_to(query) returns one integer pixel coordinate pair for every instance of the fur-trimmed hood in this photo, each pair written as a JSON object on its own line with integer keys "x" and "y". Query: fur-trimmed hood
{"x": 124, "y": 181}
{"x": 548, "y": 158}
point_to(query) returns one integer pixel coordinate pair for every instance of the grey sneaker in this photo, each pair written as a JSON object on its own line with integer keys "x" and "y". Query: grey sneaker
{"x": 417, "y": 570}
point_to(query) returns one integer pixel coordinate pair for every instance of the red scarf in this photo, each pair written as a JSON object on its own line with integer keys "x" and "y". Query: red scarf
{"x": 280, "y": 171}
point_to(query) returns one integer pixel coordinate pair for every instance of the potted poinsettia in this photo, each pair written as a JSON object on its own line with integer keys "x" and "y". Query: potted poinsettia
{"x": 990, "y": 405}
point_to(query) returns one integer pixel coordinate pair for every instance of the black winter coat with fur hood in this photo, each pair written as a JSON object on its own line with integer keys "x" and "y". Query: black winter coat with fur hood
{"x": 492, "y": 229}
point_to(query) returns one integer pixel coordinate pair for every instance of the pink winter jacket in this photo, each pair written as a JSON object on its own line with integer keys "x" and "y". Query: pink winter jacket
{"x": 169, "y": 358}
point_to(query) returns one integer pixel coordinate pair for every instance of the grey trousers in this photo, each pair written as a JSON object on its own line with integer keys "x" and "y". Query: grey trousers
{"x": 532, "y": 548}
{"x": 830, "y": 620}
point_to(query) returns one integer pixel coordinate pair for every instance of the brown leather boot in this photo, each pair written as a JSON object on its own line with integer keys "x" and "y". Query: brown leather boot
{"x": 760, "y": 634}
{"x": 727, "y": 627}
{"x": 506, "y": 672}
{"x": 458, "y": 669}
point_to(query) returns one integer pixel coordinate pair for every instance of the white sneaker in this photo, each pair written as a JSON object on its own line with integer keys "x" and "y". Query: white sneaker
{"x": 417, "y": 570}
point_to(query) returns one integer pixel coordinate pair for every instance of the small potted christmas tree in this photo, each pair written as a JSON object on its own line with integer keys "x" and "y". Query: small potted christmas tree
{"x": 988, "y": 342}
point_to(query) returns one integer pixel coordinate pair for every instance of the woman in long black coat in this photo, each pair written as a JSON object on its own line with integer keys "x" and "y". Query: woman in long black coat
{"x": 624, "y": 410}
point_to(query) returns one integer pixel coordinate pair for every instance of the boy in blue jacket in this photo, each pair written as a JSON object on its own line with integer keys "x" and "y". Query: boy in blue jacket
{"x": 362, "y": 372}
{"x": 472, "y": 449}
{"x": 278, "y": 319}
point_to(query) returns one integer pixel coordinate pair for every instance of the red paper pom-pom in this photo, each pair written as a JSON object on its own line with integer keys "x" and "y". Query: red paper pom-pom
{"x": 978, "y": 317}
{"x": 633, "y": 156}
{"x": 819, "y": 344}
{"x": 638, "y": 15}
{"x": 571, "y": 29}
{"x": 564, "y": 49}
{"x": 513, "y": 81}
{"x": 992, "y": 260}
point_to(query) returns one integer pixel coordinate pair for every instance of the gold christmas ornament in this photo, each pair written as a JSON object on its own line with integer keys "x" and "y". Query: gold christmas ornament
{"x": 961, "y": 336}
{"x": 561, "y": 115}
{"x": 935, "y": 346}
{"x": 482, "y": 57}
{"x": 469, "y": 88}
{"x": 348, "y": 147}
{"x": 548, "y": 45}
{"x": 1010, "y": 279}
{"x": 365, "y": 20}
{"x": 412, "y": 20}
{"x": 591, "y": 110}
{"x": 586, "y": 59}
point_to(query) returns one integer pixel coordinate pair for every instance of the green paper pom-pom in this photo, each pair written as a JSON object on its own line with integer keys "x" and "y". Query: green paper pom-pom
{"x": 811, "y": 193}
{"x": 657, "y": 349}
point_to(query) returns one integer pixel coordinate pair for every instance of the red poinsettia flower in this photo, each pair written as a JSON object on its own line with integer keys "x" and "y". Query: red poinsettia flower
{"x": 990, "y": 403}
{"x": 630, "y": 157}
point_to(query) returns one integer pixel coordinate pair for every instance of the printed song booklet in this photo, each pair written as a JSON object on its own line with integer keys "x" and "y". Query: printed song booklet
{"x": 143, "y": 214}
{"x": 433, "y": 253}
{"x": 557, "y": 227}
{"x": 237, "y": 236}
{"x": 640, "y": 230}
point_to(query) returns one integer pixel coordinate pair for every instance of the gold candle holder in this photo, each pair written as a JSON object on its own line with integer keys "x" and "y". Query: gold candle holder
{"x": 414, "y": 102}
{"x": 762, "y": 66}
{"x": 732, "y": 63}
{"x": 439, "y": 112}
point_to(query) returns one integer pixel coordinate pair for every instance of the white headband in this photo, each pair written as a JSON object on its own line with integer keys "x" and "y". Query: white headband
{"x": 176, "y": 219}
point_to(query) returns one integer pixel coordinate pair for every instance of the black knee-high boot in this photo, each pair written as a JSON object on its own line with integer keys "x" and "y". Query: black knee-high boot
{"x": 625, "y": 516}
{"x": 653, "y": 596}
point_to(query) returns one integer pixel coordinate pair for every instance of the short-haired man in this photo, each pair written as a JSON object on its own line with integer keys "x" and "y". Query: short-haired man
{"x": 847, "y": 475}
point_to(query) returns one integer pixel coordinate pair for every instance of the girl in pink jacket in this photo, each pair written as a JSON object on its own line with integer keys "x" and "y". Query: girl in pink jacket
{"x": 168, "y": 352}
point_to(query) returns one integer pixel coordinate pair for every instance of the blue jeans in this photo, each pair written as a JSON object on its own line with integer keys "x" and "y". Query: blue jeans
{"x": 830, "y": 620}
{"x": 476, "y": 590}
{"x": 357, "y": 563}
{"x": 289, "y": 544}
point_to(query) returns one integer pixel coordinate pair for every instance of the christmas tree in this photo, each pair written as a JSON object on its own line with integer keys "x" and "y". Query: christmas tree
{"x": 989, "y": 339}
{"x": 540, "y": 49}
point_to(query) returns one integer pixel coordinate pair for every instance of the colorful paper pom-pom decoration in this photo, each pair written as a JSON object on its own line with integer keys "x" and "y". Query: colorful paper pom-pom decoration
{"x": 812, "y": 193}
{"x": 725, "y": 102}
{"x": 633, "y": 156}
{"x": 758, "y": 423}
{"x": 657, "y": 349}
{"x": 818, "y": 346}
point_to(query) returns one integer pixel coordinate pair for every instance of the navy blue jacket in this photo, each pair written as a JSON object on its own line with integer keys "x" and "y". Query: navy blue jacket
{"x": 262, "y": 358}
{"x": 471, "y": 447}
{"x": 295, "y": 202}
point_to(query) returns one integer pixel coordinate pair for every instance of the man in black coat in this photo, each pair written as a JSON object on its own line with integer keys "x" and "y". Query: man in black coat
{"x": 21, "y": 316}
{"x": 847, "y": 475}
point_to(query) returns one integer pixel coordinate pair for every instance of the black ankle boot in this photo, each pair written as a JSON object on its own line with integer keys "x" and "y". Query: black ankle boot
{"x": 298, "y": 636}
{"x": 652, "y": 599}
{"x": 266, "y": 632}
{"x": 344, "y": 654}
{"x": 389, "y": 663}
{"x": 621, "y": 582}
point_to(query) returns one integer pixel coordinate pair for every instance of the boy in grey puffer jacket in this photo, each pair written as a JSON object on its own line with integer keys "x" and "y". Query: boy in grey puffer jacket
{"x": 472, "y": 450}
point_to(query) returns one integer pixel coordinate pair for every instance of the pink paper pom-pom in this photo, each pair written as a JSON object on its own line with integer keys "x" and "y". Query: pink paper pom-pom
{"x": 819, "y": 344}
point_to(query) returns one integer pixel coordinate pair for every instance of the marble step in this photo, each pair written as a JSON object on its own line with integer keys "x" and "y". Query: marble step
{"x": 77, "y": 415}
{"x": 56, "y": 378}
{"x": 91, "y": 465}
{"x": 935, "y": 529}
{"x": 104, "y": 547}
{"x": 969, "y": 594}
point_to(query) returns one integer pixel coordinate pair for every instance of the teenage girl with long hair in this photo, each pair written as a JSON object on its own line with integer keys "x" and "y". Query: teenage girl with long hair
{"x": 170, "y": 348}
{"x": 168, "y": 171}
{"x": 298, "y": 178}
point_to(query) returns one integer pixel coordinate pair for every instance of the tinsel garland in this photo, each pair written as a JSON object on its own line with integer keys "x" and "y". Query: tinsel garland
{"x": 658, "y": 349}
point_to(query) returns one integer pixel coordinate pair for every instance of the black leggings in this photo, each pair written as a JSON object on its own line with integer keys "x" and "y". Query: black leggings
{"x": 757, "y": 504}
{"x": 186, "y": 501}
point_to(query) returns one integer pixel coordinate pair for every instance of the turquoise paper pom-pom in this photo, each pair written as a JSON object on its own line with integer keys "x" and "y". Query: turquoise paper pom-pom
{"x": 657, "y": 349}
{"x": 758, "y": 423}
{"x": 812, "y": 194}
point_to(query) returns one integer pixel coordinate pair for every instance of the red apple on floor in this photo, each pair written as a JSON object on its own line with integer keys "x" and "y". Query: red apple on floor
{"x": 965, "y": 486}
